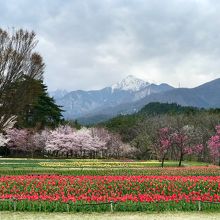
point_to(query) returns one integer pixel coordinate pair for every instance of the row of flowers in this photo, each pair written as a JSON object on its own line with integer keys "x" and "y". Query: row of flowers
{"x": 101, "y": 164}
{"x": 110, "y": 188}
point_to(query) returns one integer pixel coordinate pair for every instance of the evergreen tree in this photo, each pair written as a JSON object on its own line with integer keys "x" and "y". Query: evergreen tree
{"x": 42, "y": 111}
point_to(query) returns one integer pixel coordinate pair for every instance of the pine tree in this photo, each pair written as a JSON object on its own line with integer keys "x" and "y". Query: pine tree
{"x": 42, "y": 111}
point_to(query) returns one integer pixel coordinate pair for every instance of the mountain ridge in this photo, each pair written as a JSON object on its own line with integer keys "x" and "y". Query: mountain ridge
{"x": 130, "y": 95}
{"x": 81, "y": 103}
{"x": 202, "y": 96}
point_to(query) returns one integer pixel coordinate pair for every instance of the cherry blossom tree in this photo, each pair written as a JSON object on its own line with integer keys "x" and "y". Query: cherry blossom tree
{"x": 103, "y": 137}
{"x": 18, "y": 139}
{"x": 163, "y": 143}
{"x": 38, "y": 141}
{"x": 114, "y": 146}
{"x": 22, "y": 140}
{"x": 60, "y": 140}
{"x": 187, "y": 141}
{"x": 214, "y": 145}
{"x": 69, "y": 141}
{"x": 83, "y": 142}
{"x": 86, "y": 142}
{"x": 127, "y": 151}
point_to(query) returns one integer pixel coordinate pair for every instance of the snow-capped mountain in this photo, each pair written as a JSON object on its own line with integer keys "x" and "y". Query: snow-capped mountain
{"x": 130, "y": 83}
{"x": 203, "y": 96}
{"x": 83, "y": 103}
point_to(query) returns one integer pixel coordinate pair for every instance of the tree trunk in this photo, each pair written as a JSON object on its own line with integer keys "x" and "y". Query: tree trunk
{"x": 81, "y": 152}
{"x": 162, "y": 162}
{"x": 181, "y": 158}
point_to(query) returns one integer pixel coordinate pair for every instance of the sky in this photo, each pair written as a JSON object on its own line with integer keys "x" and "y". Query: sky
{"x": 90, "y": 44}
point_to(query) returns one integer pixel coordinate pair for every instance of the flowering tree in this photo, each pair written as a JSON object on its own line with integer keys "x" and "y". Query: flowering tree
{"x": 126, "y": 150}
{"x": 163, "y": 143}
{"x": 214, "y": 145}
{"x": 103, "y": 138}
{"x": 38, "y": 141}
{"x": 23, "y": 140}
{"x": 84, "y": 142}
{"x": 18, "y": 140}
{"x": 66, "y": 140}
{"x": 60, "y": 140}
{"x": 186, "y": 141}
{"x": 90, "y": 142}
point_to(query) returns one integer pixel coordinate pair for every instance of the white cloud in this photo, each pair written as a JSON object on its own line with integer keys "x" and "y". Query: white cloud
{"x": 89, "y": 44}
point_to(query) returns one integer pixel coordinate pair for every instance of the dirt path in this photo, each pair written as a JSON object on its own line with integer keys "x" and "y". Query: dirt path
{"x": 107, "y": 216}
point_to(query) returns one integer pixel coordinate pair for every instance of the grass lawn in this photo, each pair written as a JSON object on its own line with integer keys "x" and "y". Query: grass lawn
{"x": 109, "y": 216}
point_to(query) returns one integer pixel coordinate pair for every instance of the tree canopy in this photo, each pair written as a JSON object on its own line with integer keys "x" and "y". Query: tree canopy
{"x": 41, "y": 111}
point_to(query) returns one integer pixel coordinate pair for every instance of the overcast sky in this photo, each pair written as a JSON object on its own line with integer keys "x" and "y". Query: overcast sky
{"x": 89, "y": 44}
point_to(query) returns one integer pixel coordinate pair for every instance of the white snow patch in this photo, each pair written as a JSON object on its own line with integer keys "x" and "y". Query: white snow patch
{"x": 130, "y": 83}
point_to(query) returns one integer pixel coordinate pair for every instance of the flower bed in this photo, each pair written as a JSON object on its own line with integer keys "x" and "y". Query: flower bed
{"x": 130, "y": 192}
{"x": 101, "y": 164}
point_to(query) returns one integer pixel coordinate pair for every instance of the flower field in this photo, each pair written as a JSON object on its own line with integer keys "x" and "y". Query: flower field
{"x": 105, "y": 185}
{"x": 128, "y": 193}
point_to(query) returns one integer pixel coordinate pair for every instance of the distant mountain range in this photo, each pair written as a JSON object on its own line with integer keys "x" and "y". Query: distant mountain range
{"x": 86, "y": 103}
{"x": 129, "y": 96}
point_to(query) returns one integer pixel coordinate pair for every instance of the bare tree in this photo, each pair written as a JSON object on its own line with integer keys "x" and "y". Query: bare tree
{"x": 18, "y": 64}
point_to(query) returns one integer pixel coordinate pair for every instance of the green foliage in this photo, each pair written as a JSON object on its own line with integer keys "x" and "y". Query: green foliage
{"x": 57, "y": 206}
{"x": 123, "y": 124}
{"x": 41, "y": 111}
{"x": 156, "y": 108}
{"x": 19, "y": 95}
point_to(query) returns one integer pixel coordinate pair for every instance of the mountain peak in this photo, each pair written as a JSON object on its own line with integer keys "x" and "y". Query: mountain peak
{"x": 130, "y": 83}
{"x": 59, "y": 93}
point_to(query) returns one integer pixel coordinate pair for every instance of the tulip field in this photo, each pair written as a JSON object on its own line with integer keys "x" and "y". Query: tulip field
{"x": 128, "y": 187}
{"x": 99, "y": 193}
